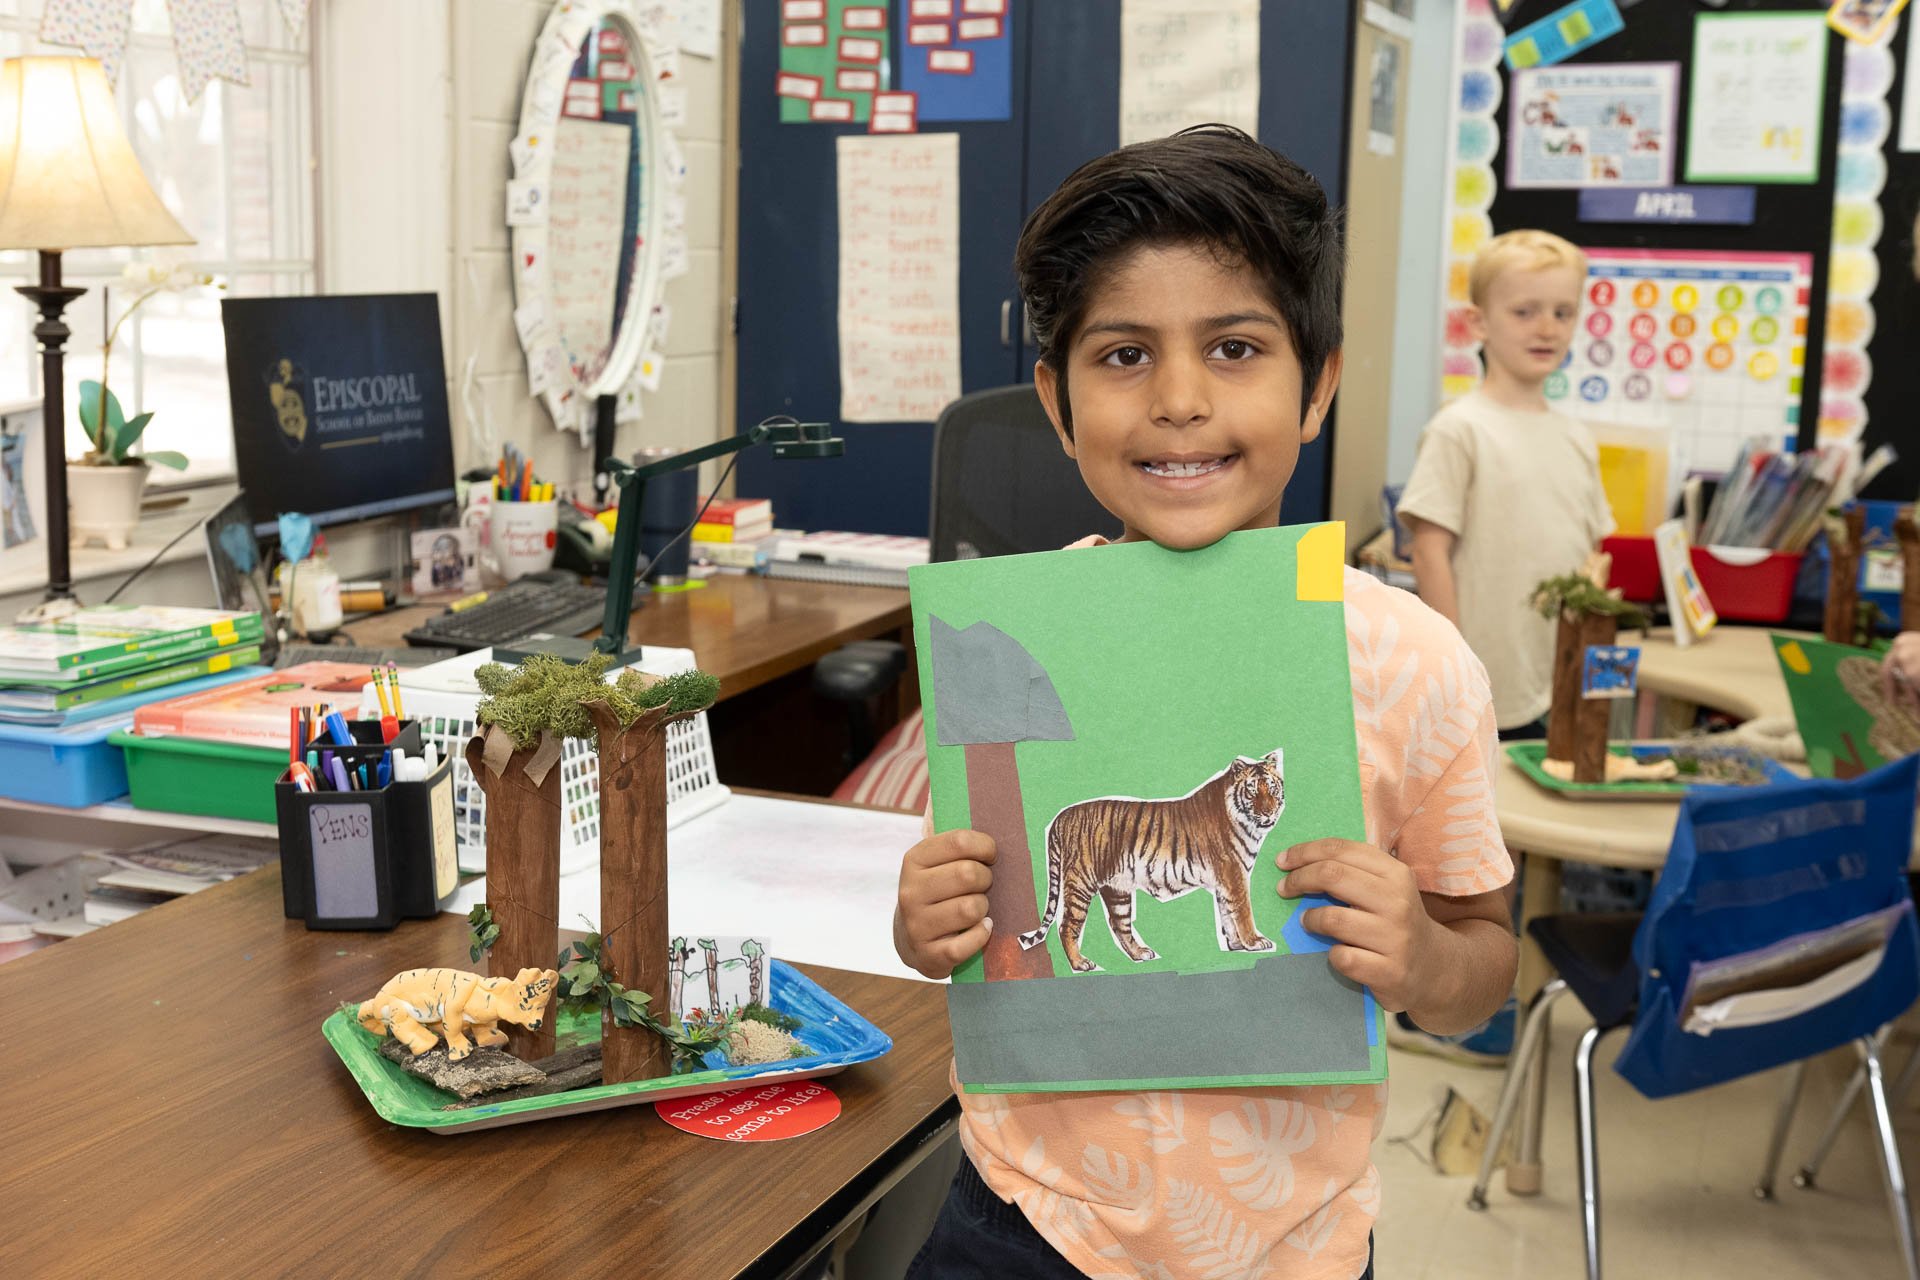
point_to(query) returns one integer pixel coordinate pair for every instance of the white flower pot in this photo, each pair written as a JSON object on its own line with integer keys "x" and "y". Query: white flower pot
{"x": 104, "y": 502}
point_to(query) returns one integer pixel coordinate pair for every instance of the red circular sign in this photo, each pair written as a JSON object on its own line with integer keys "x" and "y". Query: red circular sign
{"x": 1643, "y": 327}
{"x": 1643, "y": 355}
{"x": 1601, "y": 293}
{"x": 768, "y": 1113}
{"x": 1679, "y": 355}
{"x": 1599, "y": 324}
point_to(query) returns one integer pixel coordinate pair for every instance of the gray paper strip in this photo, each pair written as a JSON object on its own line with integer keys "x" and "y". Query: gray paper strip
{"x": 1287, "y": 1015}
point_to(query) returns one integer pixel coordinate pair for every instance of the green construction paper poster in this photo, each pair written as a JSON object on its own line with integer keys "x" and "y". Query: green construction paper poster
{"x": 833, "y": 52}
{"x": 1848, "y": 725}
{"x": 1160, "y": 716}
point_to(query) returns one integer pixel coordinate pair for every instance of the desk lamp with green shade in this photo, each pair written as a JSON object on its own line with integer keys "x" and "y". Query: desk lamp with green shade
{"x": 790, "y": 439}
{"x": 68, "y": 180}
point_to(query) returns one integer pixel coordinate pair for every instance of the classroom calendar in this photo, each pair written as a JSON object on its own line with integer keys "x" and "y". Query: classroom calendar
{"x": 1710, "y": 344}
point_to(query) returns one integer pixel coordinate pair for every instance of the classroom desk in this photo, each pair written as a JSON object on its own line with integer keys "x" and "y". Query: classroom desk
{"x": 1732, "y": 670}
{"x": 746, "y": 629}
{"x": 174, "y": 1111}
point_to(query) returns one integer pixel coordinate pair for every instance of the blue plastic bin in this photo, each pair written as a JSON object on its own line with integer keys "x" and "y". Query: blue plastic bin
{"x": 77, "y": 766}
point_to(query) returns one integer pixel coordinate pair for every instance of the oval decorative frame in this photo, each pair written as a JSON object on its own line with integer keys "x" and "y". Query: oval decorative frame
{"x": 632, "y": 365}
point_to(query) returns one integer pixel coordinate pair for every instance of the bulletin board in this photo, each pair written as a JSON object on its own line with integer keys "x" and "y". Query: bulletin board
{"x": 1717, "y": 329}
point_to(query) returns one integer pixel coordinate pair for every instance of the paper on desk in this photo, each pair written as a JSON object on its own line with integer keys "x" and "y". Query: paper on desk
{"x": 820, "y": 880}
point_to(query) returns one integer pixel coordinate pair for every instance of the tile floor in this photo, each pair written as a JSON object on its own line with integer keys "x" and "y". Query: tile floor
{"x": 1676, "y": 1181}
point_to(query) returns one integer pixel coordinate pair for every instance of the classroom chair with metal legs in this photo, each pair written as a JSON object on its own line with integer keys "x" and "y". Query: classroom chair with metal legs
{"x": 1781, "y": 928}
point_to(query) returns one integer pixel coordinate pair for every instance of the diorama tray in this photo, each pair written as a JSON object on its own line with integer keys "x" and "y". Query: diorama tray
{"x": 840, "y": 1036}
{"x": 1527, "y": 757}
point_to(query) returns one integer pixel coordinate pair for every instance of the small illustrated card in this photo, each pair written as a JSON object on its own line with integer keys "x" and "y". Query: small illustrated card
{"x": 1142, "y": 732}
{"x": 708, "y": 977}
{"x": 1687, "y": 602}
{"x": 1610, "y": 671}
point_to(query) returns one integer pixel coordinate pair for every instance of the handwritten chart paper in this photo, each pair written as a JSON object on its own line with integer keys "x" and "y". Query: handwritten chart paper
{"x": 1593, "y": 125}
{"x": 1188, "y": 62}
{"x": 587, "y": 214}
{"x": 1758, "y": 84}
{"x": 899, "y": 276}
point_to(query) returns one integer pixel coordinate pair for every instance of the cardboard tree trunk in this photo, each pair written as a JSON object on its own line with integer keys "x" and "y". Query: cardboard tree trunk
{"x": 523, "y": 869}
{"x": 989, "y": 694}
{"x": 1577, "y": 726}
{"x": 1908, "y": 534}
{"x": 1842, "y": 620}
{"x": 633, "y": 883}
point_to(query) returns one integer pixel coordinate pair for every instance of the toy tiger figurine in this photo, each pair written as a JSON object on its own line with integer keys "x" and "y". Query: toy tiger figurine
{"x": 1207, "y": 839}
{"x": 453, "y": 1000}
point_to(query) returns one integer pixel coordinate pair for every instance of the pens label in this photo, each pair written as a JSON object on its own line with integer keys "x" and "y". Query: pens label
{"x": 344, "y": 884}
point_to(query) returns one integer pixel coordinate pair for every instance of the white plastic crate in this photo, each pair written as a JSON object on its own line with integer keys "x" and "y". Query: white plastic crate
{"x": 442, "y": 697}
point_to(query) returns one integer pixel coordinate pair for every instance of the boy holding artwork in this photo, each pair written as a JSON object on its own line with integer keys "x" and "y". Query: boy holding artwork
{"x": 1185, "y": 295}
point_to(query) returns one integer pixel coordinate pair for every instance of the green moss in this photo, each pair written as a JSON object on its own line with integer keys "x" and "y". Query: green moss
{"x": 771, "y": 1017}
{"x": 546, "y": 694}
{"x": 1575, "y": 593}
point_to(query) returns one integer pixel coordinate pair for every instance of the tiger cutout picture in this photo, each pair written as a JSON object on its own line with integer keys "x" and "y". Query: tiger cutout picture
{"x": 1205, "y": 840}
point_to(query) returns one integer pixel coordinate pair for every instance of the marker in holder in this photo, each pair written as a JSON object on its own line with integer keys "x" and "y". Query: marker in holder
{"x": 367, "y": 859}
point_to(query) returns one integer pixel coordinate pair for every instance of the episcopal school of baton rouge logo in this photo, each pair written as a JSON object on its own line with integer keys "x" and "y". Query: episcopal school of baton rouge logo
{"x": 286, "y": 390}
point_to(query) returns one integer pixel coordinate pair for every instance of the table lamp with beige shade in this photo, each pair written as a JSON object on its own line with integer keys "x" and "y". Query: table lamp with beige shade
{"x": 68, "y": 180}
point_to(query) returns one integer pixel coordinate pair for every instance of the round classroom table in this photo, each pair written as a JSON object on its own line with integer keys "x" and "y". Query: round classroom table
{"x": 1733, "y": 670}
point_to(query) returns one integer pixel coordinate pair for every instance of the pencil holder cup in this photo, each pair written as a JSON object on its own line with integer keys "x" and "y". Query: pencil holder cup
{"x": 523, "y": 536}
{"x": 368, "y": 859}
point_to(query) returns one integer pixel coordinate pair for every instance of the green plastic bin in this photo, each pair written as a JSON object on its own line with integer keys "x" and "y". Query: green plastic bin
{"x": 214, "y": 779}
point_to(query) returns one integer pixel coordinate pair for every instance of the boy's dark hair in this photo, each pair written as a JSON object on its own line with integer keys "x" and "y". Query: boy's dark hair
{"x": 1211, "y": 185}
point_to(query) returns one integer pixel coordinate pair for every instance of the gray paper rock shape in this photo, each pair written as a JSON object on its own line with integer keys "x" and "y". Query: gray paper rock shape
{"x": 988, "y": 688}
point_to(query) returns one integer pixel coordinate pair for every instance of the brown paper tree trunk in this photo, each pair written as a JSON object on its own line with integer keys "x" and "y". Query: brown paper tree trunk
{"x": 993, "y": 794}
{"x": 523, "y": 879}
{"x": 1908, "y": 533}
{"x": 1577, "y": 726}
{"x": 633, "y": 884}
{"x": 1843, "y": 581}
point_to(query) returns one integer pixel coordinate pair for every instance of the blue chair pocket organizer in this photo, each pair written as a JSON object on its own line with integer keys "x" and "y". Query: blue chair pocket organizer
{"x": 1781, "y": 927}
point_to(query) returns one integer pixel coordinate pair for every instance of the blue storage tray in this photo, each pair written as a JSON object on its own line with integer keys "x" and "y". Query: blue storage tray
{"x": 75, "y": 766}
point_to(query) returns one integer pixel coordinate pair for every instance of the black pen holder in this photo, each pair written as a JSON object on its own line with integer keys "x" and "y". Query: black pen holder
{"x": 368, "y": 859}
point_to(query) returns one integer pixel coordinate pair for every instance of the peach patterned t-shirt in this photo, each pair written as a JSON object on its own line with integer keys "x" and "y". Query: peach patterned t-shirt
{"x": 1225, "y": 1184}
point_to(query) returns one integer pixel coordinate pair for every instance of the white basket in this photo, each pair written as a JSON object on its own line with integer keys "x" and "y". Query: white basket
{"x": 442, "y": 697}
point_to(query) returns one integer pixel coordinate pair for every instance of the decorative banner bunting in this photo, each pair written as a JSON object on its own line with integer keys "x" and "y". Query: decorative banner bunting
{"x": 208, "y": 42}
{"x": 97, "y": 26}
{"x": 207, "y": 39}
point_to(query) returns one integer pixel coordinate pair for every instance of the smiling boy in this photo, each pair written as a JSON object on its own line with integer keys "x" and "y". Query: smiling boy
{"x": 1185, "y": 296}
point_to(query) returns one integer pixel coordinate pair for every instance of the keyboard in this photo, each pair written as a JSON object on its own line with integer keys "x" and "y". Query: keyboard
{"x": 515, "y": 611}
{"x": 292, "y": 655}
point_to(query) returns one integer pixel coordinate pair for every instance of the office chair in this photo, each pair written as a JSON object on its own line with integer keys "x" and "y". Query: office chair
{"x": 1781, "y": 927}
{"x": 1001, "y": 486}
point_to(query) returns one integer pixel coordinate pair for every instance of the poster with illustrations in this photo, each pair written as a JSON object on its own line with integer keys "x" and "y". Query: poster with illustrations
{"x": 1122, "y": 722}
{"x": 1709, "y": 343}
{"x": 1757, "y": 96}
{"x": 1593, "y": 125}
{"x": 1841, "y": 708}
{"x": 708, "y": 977}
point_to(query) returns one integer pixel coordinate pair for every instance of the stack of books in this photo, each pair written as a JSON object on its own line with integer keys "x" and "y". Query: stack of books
{"x": 148, "y": 876}
{"x": 734, "y": 535}
{"x": 1774, "y": 499}
{"x": 102, "y": 659}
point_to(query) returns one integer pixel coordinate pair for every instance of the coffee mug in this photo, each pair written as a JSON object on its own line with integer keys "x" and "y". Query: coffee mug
{"x": 523, "y": 536}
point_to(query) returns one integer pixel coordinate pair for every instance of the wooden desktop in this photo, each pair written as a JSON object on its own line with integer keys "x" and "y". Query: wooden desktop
{"x": 760, "y": 636}
{"x": 175, "y": 1111}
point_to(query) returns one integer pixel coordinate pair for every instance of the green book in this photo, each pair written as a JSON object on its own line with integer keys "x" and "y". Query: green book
{"x": 61, "y": 698}
{"x": 105, "y": 639}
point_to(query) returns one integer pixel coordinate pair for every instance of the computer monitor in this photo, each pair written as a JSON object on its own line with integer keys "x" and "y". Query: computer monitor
{"x": 339, "y": 405}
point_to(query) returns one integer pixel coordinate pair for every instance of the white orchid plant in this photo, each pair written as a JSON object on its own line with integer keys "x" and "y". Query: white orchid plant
{"x": 109, "y": 430}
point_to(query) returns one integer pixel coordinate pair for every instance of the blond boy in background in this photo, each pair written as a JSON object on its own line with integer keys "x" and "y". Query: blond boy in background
{"x": 1506, "y": 492}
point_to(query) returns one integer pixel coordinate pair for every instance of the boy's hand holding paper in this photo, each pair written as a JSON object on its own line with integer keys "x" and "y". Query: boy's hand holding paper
{"x": 941, "y": 919}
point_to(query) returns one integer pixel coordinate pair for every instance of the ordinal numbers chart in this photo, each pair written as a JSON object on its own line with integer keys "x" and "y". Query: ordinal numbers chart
{"x": 1710, "y": 344}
